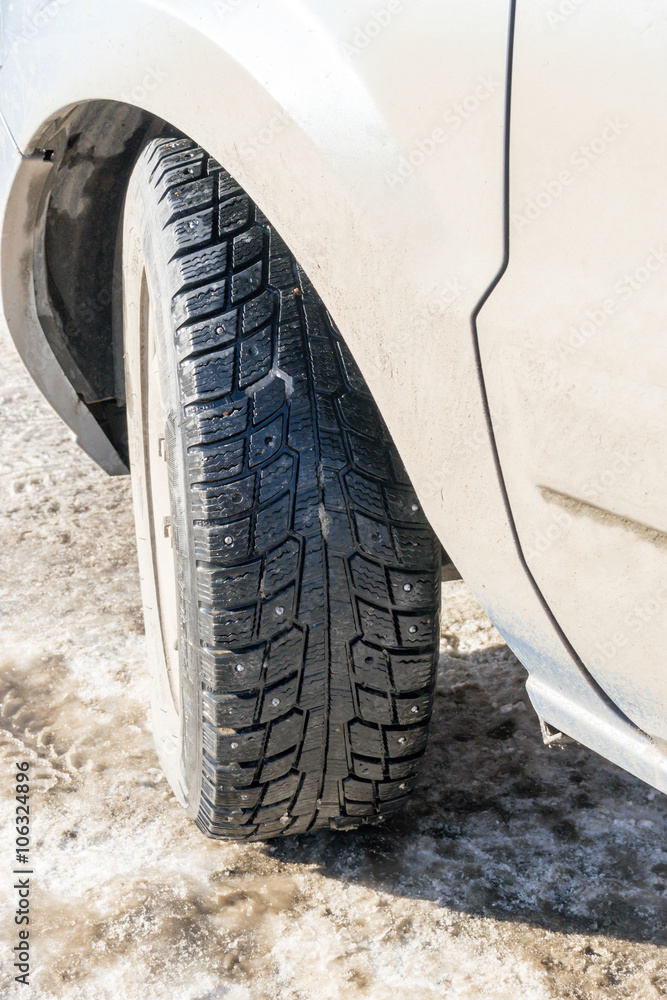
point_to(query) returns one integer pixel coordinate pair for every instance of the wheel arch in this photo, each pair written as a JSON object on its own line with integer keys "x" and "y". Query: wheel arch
{"x": 383, "y": 183}
{"x": 62, "y": 289}
{"x": 317, "y": 143}
{"x": 66, "y": 185}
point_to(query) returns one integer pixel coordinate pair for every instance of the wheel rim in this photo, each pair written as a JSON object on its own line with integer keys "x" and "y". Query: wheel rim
{"x": 158, "y": 495}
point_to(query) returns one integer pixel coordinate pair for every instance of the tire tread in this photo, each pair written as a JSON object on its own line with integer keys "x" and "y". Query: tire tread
{"x": 306, "y": 532}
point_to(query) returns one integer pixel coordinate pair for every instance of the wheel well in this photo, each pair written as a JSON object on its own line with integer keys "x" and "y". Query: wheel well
{"x": 77, "y": 273}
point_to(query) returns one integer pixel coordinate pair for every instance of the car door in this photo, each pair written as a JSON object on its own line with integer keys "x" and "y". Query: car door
{"x": 572, "y": 340}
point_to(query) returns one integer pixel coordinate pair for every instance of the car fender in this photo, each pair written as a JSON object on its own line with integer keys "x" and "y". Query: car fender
{"x": 379, "y": 154}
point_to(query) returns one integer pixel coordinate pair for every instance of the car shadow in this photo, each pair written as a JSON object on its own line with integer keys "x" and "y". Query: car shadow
{"x": 502, "y": 826}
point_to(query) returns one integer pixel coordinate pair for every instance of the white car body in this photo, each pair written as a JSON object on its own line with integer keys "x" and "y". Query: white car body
{"x": 475, "y": 192}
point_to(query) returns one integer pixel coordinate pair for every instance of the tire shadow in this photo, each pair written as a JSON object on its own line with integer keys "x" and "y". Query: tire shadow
{"x": 502, "y": 826}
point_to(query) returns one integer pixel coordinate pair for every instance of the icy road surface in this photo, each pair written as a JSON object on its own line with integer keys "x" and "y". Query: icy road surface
{"x": 519, "y": 872}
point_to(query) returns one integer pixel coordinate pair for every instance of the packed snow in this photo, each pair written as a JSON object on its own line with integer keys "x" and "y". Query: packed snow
{"x": 518, "y": 872}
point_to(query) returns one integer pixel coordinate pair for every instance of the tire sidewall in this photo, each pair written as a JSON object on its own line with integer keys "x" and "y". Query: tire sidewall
{"x": 177, "y": 734}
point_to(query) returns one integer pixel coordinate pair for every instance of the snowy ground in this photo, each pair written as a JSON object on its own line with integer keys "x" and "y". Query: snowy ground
{"x": 519, "y": 872}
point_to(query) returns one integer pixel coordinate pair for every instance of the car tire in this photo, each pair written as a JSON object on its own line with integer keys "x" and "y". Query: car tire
{"x": 290, "y": 579}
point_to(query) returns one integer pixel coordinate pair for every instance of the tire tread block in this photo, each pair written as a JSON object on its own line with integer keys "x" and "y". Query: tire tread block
{"x": 305, "y": 530}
